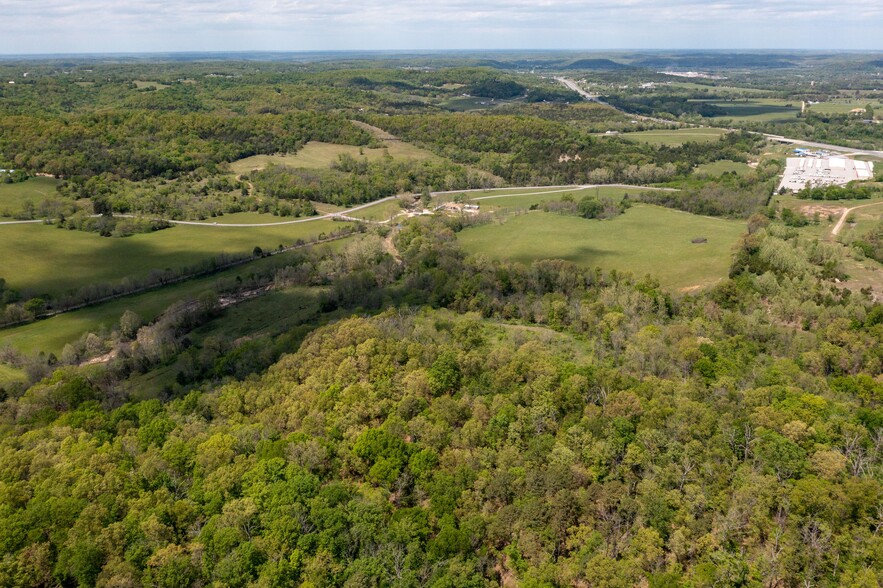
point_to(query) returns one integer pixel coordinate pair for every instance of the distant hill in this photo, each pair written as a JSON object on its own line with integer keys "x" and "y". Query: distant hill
{"x": 717, "y": 61}
{"x": 598, "y": 65}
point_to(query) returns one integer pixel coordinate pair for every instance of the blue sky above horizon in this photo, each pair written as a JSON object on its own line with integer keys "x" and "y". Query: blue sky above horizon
{"x": 103, "y": 26}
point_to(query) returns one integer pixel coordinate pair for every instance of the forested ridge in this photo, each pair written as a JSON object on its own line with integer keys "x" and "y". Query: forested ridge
{"x": 482, "y": 423}
{"x": 400, "y": 413}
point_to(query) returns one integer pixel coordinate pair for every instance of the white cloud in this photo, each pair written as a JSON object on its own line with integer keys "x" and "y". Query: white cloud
{"x": 157, "y": 25}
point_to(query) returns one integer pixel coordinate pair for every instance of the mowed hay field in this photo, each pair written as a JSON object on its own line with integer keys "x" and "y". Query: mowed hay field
{"x": 14, "y": 196}
{"x": 674, "y": 137}
{"x": 44, "y": 259}
{"x": 844, "y": 106}
{"x": 644, "y": 240}
{"x": 758, "y": 110}
{"x": 318, "y": 155}
{"x": 495, "y": 201}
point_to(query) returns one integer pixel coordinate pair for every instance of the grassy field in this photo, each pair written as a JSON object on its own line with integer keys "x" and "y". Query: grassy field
{"x": 52, "y": 334}
{"x": 674, "y": 137}
{"x": 379, "y": 212}
{"x": 844, "y": 106}
{"x": 644, "y": 240}
{"x": 9, "y": 375}
{"x": 317, "y": 155}
{"x": 264, "y": 218}
{"x": 717, "y": 168}
{"x": 142, "y": 84}
{"x": 758, "y": 110}
{"x": 497, "y": 192}
{"x": 14, "y": 196}
{"x": 830, "y": 212}
{"x": 494, "y": 201}
{"x": 717, "y": 89}
{"x": 45, "y": 259}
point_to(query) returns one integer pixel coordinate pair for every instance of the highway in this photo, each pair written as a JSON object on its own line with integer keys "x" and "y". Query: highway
{"x": 570, "y": 84}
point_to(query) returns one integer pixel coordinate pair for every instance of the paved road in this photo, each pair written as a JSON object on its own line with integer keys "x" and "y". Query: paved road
{"x": 575, "y": 87}
{"x": 575, "y": 187}
{"x": 347, "y": 214}
{"x": 24, "y": 222}
{"x": 592, "y": 98}
{"x": 342, "y": 214}
{"x": 851, "y": 150}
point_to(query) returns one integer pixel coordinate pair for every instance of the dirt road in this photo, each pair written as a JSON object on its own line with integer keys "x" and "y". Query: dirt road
{"x": 837, "y": 228}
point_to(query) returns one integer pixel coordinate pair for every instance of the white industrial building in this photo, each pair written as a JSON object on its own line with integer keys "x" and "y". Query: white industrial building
{"x": 824, "y": 171}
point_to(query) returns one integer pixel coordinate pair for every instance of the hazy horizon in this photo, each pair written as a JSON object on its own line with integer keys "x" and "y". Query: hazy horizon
{"x": 55, "y": 27}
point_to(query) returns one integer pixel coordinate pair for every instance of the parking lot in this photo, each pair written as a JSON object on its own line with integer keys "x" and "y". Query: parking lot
{"x": 823, "y": 171}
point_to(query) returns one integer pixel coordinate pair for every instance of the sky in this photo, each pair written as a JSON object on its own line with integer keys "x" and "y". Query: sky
{"x": 108, "y": 26}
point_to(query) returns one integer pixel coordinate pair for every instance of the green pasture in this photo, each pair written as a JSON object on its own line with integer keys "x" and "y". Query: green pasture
{"x": 644, "y": 240}
{"x": 51, "y": 335}
{"x": 674, "y": 137}
{"x": 716, "y": 89}
{"x": 379, "y": 212}
{"x": 758, "y": 110}
{"x": 318, "y": 155}
{"x": 718, "y": 168}
{"x": 236, "y": 218}
{"x": 472, "y": 194}
{"x": 498, "y": 202}
{"x": 13, "y": 197}
{"x": 864, "y": 219}
{"x": 45, "y": 259}
{"x": 844, "y": 106}
{"x": 143, "y": 84}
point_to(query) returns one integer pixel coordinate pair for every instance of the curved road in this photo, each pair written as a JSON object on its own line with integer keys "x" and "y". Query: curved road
{"x": 836, "y": 230}
{"x": 347, "y": 214}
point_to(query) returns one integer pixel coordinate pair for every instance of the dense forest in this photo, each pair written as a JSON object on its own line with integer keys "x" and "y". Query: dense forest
{"x": 403, "y": 413}
{"x": 498, "y": 423}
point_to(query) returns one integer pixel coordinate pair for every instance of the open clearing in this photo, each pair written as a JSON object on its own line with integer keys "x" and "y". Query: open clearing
{"x": 644, "y": 240}
{"x": 13, "y": 197}
{"x": 44, "y": 259}
{"x": 379, "y": 212}
{"x": 52, "y": 334}
{"x": 674, "y": 137}
{"x": 717, "y": 168}
{"x": 494, "y": 201}
{"x": 318, "y": 155}
{"x": 144, "y": 84}
{"x": 844, "y": 106}
{"x": 757, "y": 110}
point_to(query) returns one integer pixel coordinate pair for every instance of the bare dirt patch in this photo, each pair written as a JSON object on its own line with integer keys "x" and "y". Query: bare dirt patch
{"x": 823, "y": 210}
